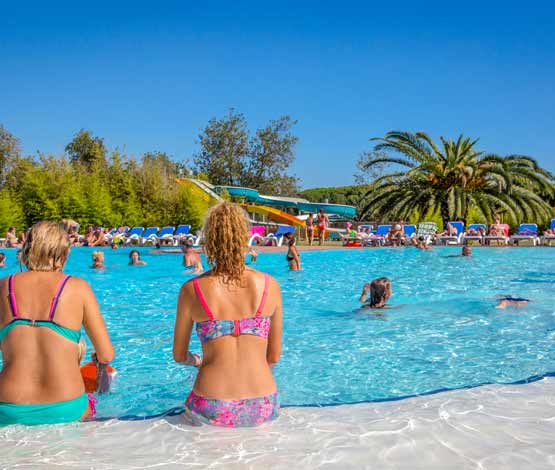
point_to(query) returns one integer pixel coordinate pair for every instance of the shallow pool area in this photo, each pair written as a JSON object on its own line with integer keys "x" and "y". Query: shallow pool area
{"x": 442, "y": 332}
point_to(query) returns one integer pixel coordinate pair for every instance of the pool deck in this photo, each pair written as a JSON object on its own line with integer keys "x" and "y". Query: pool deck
{"x": 488, "y": 427}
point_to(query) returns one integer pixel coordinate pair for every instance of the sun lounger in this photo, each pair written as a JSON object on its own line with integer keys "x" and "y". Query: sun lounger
{"x": 548, "y": 240}
{"x": 468, "y": 239}
{"x": 379, "y": 237}
{"x": 409, "y": 233}
{"x": 525, "y": 232}
{"x": 452, "y": 239}
{"x": 277, "y": 238}
{"x": 256, "y": 232}
{"x": 165, "y": 235}
{"x": 149, "y": 235}
{"x": 134, "y": 235}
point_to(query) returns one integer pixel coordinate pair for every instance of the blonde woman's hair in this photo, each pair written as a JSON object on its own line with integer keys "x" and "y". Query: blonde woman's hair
{"x": 225, "y": 235}
{"x": 380, "y": 292}
{"x": 98, "y": 255}
{"x": 46, "y": 247}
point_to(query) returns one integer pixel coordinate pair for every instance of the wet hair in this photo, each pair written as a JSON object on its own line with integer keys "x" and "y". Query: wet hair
{"x": 380, "y": 292}
{"x": 421, "y": 238}
{"x": 46, "y": 247}
{"x": 226, "y": 232}
{"x": 466, "y": 249}
{"x": 97, "y": 256}
{"x": 131, "y": 255}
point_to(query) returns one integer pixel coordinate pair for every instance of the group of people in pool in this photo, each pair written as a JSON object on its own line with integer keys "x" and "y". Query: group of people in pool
{"x": 236, "y": 311}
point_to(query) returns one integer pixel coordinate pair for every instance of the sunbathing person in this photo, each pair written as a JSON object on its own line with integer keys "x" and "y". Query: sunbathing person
{"x": 510, "y": 301}
{"x": 237, "y": 312}
{"x": 549, "y": 232}
{"x": 450, "y": 231}
{"x": 375, "y": 294}
{"x": 395, "y": 235}
{"x": 191, "y": 259}
{"x": 135, "y": 259}
{"x": 479, "y": 232}
{"x": 41, "y": 314}
{"x": 98, "y": 260}
{"x": 496, "y": 230}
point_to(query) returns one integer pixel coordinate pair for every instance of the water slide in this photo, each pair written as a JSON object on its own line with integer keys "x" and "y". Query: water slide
{"x": 264, "y": 205}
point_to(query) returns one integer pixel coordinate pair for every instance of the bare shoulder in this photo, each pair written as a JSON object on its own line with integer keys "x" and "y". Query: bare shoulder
{"x": 273, "y": 283}
{"x": 79, "y": 285}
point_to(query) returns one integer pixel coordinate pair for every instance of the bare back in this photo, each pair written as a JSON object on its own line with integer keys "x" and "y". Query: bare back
{"x": 39, "y": 364}
{"x": 235, "y": 367}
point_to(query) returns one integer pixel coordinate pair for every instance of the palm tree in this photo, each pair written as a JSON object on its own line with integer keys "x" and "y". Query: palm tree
{"x": 454, "y": 177}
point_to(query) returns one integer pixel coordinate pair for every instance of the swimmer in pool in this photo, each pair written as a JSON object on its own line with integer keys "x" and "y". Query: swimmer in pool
{"x": 253, "y": 254}
{"x": 510, "y": 301}
{"x": 420, "y": 243}
{"x": 466, "y": 251}
{"x": 135, "y": 259}
{"x": 98, "y": 260}
{"x": 191, "y": 259}
{"x": 2, "y": 260}
{"x": 375, "y": 294}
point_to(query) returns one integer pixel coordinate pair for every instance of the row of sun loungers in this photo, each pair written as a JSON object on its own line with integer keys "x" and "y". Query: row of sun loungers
{"x": 152, "y": 235}
{"x": 475, "y": 234}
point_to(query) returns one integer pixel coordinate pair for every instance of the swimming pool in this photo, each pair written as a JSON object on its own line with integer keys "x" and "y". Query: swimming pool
{"x": 444, "y": 332}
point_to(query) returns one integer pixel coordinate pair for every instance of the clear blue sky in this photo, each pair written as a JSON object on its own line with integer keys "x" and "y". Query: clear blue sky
{"x": 149, "y": 75}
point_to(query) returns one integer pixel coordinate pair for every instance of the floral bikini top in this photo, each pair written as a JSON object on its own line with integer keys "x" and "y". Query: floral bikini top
{"x": 211, "y": 329}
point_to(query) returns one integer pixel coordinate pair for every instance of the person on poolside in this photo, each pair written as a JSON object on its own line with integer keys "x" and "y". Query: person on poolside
{"x": 98, "y": 260}
{"x": 323, "y": 222}
{"x": 310, "y": 228}
{"x": 375, "y": 294}
{"x": 238, "y": 317}
{"x": 41, "y": 315}
{"x": 11, "y": 239}
{"x": 517, "y": 302}
{"x": 549, "y": 232}
{"x": 495, "y": 230}
{"x": 191, "y": 258}
{"x": 450, "y": 231}
{"x": 2, "y": 260}
{"x": 135, "y": 259}
{"x": 395, "y": 235}
{"x": 293, "y": 257}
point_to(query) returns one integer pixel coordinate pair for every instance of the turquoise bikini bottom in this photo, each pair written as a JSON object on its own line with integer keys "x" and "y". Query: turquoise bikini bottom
{"x": 48, "y": 413}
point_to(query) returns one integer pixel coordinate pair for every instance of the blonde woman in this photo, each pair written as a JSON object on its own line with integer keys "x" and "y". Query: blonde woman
{"x": 237, "y": 312}
{"x": 98, "y": 260}
{"x": 41, "y": 314}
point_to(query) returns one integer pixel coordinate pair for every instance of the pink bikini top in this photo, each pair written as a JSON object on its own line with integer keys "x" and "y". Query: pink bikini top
{"x": 211, "y": 329}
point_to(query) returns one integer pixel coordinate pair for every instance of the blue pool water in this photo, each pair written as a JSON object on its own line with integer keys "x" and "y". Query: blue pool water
{"x": 444, "y": 332}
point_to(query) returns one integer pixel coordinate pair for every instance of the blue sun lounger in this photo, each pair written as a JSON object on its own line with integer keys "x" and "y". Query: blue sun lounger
{"x": 166, "y": 234}
{"x": 524, "y": 232}
{"x": 134, "y": 235}
{"x": 548, "y": 239}
{"x": 149, "y": 235}
{"x": 452, "y": 239}
{"x": 479, "y": 238}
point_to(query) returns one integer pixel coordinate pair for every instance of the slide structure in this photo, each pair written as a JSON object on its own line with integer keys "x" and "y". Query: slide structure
{"x": 265, "y": 205}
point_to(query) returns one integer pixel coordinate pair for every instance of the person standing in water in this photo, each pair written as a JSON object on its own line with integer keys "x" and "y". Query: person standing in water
{"x": 237, "y": 312}
{"x": 135, "y": 259}
{"x": 293, "y": 257}
{"x": 191, "y": 259}
{"x": 323, "y": 222}
{"x": 375, "y": 294}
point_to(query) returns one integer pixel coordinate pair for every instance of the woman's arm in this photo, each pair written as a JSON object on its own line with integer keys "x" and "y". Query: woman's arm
{"x": 297, "y": 257}
{"x": 273, "y": 352}
{"x": 365, "y": 291}
{"x": 184, "y": 327}
{"x": 95, "y": 327}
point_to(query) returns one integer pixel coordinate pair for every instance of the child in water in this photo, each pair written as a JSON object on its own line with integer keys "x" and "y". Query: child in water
{"x": 98, "y": 260}
{"x": 375, "y": 294}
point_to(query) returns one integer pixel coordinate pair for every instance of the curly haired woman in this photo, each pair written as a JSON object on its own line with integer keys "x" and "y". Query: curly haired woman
{"x": 237, "y": 312}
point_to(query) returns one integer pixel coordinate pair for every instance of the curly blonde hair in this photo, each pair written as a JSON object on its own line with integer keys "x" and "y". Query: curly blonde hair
{"x": 46, "y": 247}
{"x": 225, "y": 236}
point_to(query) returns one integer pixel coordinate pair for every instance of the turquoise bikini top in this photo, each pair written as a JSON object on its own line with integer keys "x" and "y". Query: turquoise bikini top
{"x": 68, "y": 333}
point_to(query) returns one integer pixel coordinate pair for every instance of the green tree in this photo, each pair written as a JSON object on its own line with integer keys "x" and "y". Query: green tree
{"x": 11, "y": 213}
{"x": 86, "y": 149}
{"x": 272, "y": 151}
{"x": 453, "y": 178}
{"x": 224, "y": 147}
{"x": 9, "y": 150}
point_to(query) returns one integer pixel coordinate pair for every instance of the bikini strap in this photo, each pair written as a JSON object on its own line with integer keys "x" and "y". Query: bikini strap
{"x": 11, "y": 296}
{"x": 264, "y": 295}
{"x": 202, "y": 300}
{"x": 57, "y": 297}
